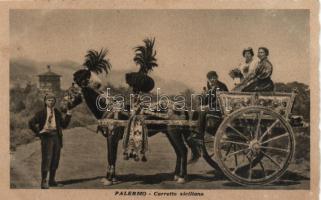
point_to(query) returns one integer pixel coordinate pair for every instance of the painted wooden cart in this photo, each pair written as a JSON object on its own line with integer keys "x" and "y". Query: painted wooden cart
{"x": 254, "y": 143}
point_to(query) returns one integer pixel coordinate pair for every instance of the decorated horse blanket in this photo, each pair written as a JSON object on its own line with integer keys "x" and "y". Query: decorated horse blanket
{"x": 135, "y": 140}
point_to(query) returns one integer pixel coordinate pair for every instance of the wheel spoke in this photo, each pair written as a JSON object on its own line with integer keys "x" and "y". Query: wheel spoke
{"x": 250, "y": 173}
{"x": 236, "y": 167}
{"x": 261, "y": 164}
{"x": 275, "y": 148}
{"x": 270, "y": 158}
{"x": 269, "y": 129}
{"x": 235, "y": 156}
{"x": 227, "y": 152}
{"x": 233, "y": 142}
{"x": 250, "y": 168}
{"x": 247, "y": 122}
{"x": 275, "y": 138}
{"x": 236, "y": 152}
{"x": 258, "y": 125}
{"x": 238, "y": 132}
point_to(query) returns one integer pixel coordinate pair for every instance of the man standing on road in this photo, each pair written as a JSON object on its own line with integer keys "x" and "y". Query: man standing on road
{"x": 47, "y": 124}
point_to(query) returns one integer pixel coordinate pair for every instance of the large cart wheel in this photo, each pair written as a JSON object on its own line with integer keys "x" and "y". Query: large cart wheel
{"x": 254, "y": 146}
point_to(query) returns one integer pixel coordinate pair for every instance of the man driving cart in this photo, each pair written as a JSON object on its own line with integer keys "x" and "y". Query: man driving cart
{"x": 209, "y": 114}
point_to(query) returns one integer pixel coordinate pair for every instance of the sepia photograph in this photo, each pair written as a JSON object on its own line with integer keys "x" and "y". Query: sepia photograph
{"x": 201, "y": 99}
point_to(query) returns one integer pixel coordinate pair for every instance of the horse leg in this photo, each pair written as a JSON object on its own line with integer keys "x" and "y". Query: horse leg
{"x": 112, "y": 145}
{"x": 108, "y": 180}
{"x": 178, "y": 143}
{"x": 178, "y": 158}
{"x": 195, "y": 149}
{"x": 115, "y": 137}
{"x": 115, "y": 140}
{"x": 183, "y": 152}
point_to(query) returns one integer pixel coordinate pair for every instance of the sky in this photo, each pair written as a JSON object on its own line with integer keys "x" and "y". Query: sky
{"x": 189, "y": 43}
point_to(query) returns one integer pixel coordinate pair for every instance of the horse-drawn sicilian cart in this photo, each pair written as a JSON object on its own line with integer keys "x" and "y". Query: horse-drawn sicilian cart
{"x": 250, "y": 140}
{"x": 254, "y": 143}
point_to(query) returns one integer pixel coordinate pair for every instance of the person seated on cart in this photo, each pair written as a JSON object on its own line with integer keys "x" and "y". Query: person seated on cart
{"x": 258, "y": 79}
{"x": 210, "y": 101}
{"x": 209, "y": 106}
{"x": 246, "y": 67}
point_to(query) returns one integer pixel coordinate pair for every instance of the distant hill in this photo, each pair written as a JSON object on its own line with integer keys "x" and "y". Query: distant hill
{"x": 23, "y": 70}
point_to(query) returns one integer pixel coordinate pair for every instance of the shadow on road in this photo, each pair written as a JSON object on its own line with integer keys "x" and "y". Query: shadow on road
{"x": 146, "y": 179}
{"x": 159, "y": 178}
{"x": 74, "y": 181}
{"x": 289, "y": 178}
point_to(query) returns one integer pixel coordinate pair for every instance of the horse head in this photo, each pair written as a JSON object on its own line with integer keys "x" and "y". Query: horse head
{"x": 71, "y": 99}
{"x": 86, "y": 78}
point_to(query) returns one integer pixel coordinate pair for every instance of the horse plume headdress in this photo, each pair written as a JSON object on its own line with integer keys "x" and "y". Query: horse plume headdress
{"x": 145, "y": 58}
{"x": 94, "y": 62}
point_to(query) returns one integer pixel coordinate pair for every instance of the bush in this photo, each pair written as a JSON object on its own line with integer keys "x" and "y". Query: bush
{"x": 20, "y": 136}
{"x": 301, "y": 104}
{"x": 302, "y": 148}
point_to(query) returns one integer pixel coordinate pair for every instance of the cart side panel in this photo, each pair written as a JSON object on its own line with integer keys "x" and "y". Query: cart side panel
{"x": 279, "y": 102}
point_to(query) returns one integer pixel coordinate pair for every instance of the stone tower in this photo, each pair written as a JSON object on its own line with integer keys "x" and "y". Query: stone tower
{"x": 49, "y": 81}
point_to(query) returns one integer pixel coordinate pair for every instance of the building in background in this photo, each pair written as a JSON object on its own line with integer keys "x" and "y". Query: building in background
{"x": 49, "y": 81}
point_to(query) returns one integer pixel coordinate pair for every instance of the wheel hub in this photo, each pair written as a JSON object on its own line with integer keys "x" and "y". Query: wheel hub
{"x": 255, "y": 146}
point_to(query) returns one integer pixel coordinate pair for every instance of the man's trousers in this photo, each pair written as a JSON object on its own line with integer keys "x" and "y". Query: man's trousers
{"x": 50, "y": 149}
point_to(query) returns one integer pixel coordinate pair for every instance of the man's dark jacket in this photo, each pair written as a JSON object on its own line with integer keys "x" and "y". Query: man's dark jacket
{"x": 210, "y": 98}
{"x": 37, "y": 123}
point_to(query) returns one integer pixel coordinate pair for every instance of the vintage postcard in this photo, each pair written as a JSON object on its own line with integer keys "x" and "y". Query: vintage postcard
{"x": 160, "y": 99}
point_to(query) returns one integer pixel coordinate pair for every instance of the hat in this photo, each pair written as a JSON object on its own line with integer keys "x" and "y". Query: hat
{"x": 211, "y": 74}
{"x": 249, "y": 49}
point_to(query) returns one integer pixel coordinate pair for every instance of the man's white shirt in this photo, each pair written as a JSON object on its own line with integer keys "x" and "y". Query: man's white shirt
{"x": 49, "y": 125}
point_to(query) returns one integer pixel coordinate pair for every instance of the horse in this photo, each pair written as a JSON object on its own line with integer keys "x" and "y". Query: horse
{"x": 177, "y": 136}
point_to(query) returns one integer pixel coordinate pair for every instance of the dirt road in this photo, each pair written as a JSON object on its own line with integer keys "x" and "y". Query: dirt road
{"x": 83, "y": 164}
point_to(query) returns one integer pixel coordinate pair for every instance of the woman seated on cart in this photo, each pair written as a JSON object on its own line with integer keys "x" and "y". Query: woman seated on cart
{"x": 257, "y": 78}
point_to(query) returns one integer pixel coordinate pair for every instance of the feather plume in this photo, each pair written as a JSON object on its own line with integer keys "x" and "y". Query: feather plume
{"x": 145, "y": 56}
{"x": 95, "y": 61}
